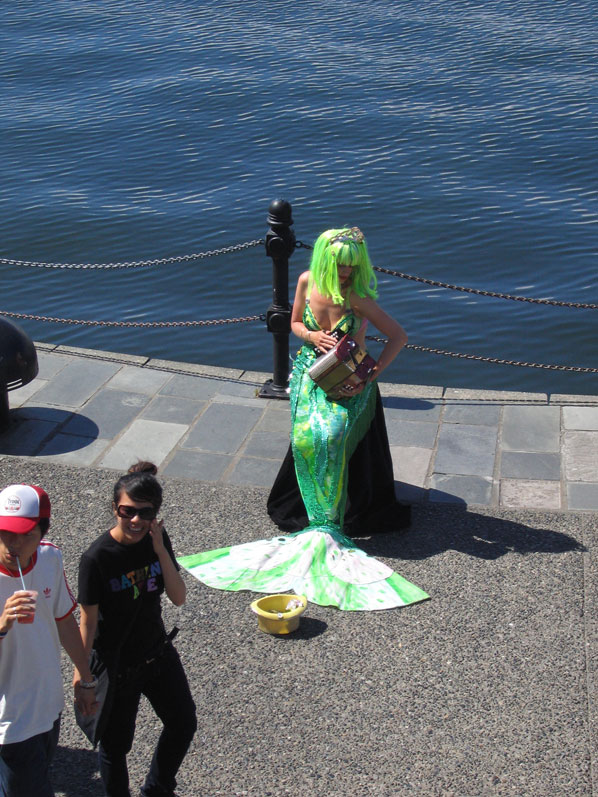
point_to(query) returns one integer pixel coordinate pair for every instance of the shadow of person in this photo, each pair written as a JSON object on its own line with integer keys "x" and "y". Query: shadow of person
{"x": 403, "y": 403}
{"x": 74, "y": 772}
{"x": 439, "y": 528}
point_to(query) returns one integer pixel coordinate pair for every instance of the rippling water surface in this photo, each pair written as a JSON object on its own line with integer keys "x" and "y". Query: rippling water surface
{"x": 460, "y": 136}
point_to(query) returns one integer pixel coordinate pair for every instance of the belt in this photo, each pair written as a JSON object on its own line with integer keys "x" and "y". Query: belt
{"x": 169, "y": 637}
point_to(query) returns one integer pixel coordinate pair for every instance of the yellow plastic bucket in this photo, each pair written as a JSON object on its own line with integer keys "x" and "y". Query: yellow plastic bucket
{"x": 275, "y": 616}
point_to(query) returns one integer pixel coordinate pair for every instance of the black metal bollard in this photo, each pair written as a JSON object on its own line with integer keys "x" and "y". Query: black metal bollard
{"x": 280, "y": 245}
{"x": 18, "y": 364}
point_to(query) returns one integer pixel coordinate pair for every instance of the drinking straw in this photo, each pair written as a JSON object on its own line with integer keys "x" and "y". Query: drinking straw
{"x": 21, "y": 573}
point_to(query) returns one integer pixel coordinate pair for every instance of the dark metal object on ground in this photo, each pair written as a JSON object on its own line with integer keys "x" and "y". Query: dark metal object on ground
{"x": 280, "y": 245}
{"x": 18, "y": 363}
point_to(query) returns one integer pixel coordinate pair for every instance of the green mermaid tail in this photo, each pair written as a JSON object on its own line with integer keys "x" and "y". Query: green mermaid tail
{"x": 318, "y": 562}
{"x": 313, "y": 563}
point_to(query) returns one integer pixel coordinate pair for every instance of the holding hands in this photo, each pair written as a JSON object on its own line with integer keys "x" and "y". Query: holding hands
{"x": 85, "y": 698}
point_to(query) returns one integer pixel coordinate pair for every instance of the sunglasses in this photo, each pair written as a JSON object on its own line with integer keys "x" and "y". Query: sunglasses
{"x": 129, "y": 512}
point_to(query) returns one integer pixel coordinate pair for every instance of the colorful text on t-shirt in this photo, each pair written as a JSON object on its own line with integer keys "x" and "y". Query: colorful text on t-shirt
{"x": 145, "y": 577}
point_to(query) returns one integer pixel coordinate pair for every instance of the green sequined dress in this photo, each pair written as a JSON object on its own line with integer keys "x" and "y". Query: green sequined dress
{"x": 319, "y": 561}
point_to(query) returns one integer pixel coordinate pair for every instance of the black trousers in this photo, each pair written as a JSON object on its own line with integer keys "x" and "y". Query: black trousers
{"x": 164, "y": 683}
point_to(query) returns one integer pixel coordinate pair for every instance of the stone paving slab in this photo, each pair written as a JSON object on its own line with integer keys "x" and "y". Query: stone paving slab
{"x": 110, "y": 411}
{"x": 531, "y": 428}
{"x": 173, "y": 409}
{"x": 77, "y": 382}
{"x": 530, "y": 493}
{"x": 580, "y": 455}
{"x": 480, "y": 448}
{"x": 139, "y": 380}
{"x": 417, "y": 434}
{"x": 453, "y": 488}
{"x": 584, "y": 418}
{"x": 223, "y": 428}
{"x": 464, "y": 449}
{"x": 582, "y": 495}
{"x": 143, "y": 440}
{"x": 472, "y": 414}
{"x": 530, "y": 465}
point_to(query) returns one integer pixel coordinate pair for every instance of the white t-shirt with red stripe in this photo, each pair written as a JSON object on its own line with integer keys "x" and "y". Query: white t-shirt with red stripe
{"x": 31, "y": 688}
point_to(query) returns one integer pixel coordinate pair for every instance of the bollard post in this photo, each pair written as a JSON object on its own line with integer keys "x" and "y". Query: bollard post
{"x": 18, "y": 364}
{"x": 4, "y": 409}
{"x": 280, "y": 245}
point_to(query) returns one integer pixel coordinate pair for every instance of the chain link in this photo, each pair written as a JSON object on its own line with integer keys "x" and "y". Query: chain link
{"x": 225, "y": 250}
{"x": 300, "y": 245}
{"x": 262, "y": 317}
{"x": 496, "y": 360}
{"x": 493, "y": 294}
{"x": 476, "y": 291}
{"x": 140, "y": 324}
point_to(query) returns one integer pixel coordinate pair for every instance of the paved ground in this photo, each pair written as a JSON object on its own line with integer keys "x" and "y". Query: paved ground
{"x": 482, "y": 448}
{"x": 489, "y": 688}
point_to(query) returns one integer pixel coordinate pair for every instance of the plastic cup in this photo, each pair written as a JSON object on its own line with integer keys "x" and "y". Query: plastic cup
{"x": 28, "y": 615}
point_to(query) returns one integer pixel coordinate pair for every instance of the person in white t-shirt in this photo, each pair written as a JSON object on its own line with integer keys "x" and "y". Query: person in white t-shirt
{"x": 37, "y": 617}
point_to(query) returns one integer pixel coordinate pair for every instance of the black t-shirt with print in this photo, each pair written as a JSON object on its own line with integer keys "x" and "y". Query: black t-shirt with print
{"x": 124, "y": 581}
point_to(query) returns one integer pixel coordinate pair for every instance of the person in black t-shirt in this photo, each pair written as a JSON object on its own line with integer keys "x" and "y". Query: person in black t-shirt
{"x": 121, "y": 578}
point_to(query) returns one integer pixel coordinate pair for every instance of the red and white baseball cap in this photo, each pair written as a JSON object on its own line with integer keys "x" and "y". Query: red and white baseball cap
{"x": 22, "y": 506}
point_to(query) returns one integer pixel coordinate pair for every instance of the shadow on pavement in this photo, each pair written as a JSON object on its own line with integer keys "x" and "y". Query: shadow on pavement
{"x": 309, "y": 628}
{"x": 438, "y": 529}
{"x": 74, "y": 772}
{"x": 34, "y": 428}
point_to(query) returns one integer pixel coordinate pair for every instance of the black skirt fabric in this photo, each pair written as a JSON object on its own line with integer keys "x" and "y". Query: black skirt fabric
{"x": 372, "y": 507}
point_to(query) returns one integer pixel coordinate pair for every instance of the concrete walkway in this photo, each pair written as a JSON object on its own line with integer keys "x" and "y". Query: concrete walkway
{"x": 489, "y": 689}
{"x": 482, "y": 448}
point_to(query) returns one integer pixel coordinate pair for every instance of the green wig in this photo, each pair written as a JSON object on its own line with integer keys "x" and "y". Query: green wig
{"x": 345, "y": 246}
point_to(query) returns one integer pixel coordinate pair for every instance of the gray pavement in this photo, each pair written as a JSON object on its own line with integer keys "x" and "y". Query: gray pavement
{"x": 489, "y": 688}
{"x": 481, "y": 448}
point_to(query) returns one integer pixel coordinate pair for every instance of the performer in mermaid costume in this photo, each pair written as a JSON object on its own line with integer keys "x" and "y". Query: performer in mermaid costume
{"x": 337, "y": 295}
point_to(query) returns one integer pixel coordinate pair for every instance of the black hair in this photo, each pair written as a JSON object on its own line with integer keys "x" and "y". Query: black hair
{"x": 44, "y": 525}
{"x": 140, "y": 484}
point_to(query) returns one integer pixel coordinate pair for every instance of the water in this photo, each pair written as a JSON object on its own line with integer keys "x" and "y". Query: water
{"x": 460, "y": 136}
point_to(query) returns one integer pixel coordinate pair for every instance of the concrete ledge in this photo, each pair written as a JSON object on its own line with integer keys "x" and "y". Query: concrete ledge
{"x": 501, "y": 396}
{"x": 257, "y": 377}
{"x": 98, "y": 354}
{"x": 565, "y": 398}
{"x": 193, "y": 368}
{"x": 41, "y": 346}
{"x": 391, "y": 390}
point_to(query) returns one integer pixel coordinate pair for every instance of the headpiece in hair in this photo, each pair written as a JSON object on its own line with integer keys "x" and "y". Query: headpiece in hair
{"x": 351, "y": 234}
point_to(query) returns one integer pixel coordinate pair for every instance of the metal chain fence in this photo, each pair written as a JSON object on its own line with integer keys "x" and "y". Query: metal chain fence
{"x": 261, "y": 317}
{"x": 163, "y": 261}
{"x": 496, "y": 360}
{"x": 492, "y": 294}
{"x": 139, "y": 324}
{"x": 476, "y": 291}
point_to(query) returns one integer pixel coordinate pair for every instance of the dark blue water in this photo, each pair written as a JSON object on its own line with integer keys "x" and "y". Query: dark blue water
{"x": 460, "y": 136}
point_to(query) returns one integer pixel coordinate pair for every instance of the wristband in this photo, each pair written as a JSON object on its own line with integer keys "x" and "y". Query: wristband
{"x": 3, "y": 634}
{"x": 88, "y": 684}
